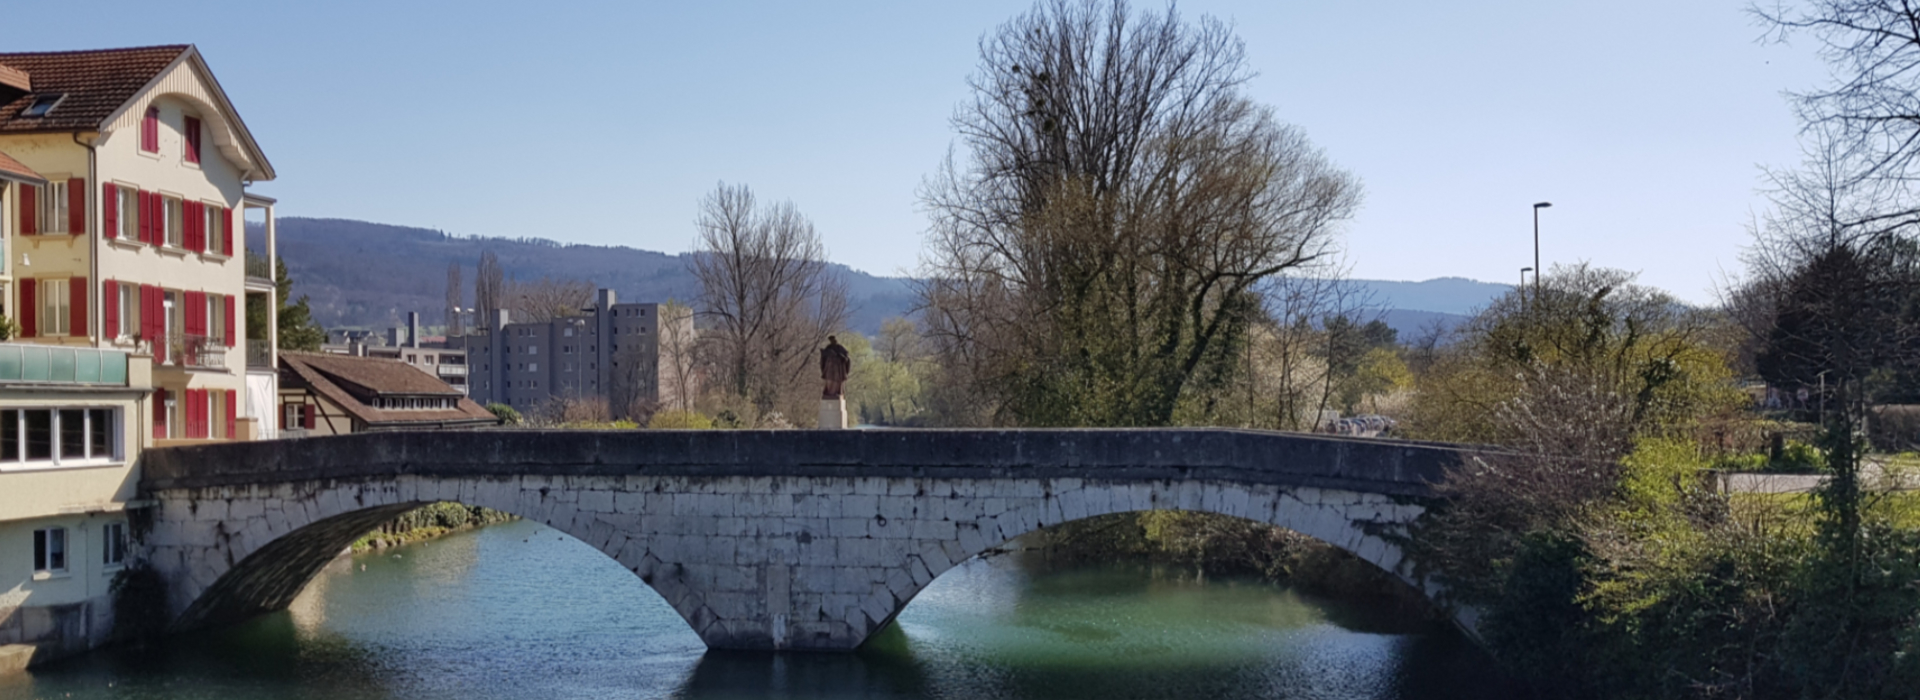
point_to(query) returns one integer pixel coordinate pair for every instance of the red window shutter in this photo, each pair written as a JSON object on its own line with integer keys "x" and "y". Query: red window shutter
{"x": 202, "y": 412}
{"x": 29, "y": 308}
{"x": 77, "y": 305}
{"x": 109, "y": 310}
{"x": 306, "y": 416}
{"x": 77, "y": 206}
{"x": 109, "y": 210}
{"x": 187, "y": 314}
{"x": 29, "y": 203}
{"x": 146, "y": 215}
{"x": 193, "y": 140}
{"x": 233, "y": 414}
{"x": 226, "y": 308}
{"x": 150, "y": 131}
{"x": 190, "y": 211}
{"x": 159, "y": 414}
{"x": 233, "y": 229}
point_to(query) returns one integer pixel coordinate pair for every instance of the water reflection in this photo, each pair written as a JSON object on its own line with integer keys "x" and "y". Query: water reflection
{"x": 520, "y": 611}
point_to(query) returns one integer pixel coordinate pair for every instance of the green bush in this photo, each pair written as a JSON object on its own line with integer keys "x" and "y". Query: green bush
{"x": 680, "y": 420}
{"x": 506, "y": 414}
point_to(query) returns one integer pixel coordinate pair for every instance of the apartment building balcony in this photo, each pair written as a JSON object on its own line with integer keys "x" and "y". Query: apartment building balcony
{"x": 23, "y": 363}
{"x": 259, "y": 273}
{"x": 187, "y": 351}
{"x": 451, "y": 370}
{"x": 260, "y": 355}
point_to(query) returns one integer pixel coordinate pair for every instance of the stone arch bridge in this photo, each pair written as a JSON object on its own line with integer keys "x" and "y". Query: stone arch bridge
{"x": 760, "y": 539}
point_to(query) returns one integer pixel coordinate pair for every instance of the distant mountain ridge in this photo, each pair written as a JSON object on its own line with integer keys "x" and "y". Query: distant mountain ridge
{"x": 364, "y": 274}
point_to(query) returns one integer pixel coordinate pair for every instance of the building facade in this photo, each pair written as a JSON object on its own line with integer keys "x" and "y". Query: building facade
{"x": 624, "y": 354}
{"x": 123, "y": 242}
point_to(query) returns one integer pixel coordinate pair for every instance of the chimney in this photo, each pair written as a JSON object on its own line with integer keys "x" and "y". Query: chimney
{"x": 413, "y": 329}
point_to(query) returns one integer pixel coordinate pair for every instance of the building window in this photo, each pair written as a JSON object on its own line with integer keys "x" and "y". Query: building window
{"x": 128, "y": 212}
{"x": 50, "y": 550}
{"x": 214, "y": 222}
{"x": 53, "y": 205}
{"x": 174, "y": 219}
{"x": 51, "y": 437}
{"x": 533, "y": 349}
{"x": 533, "y": 367}
{"x": 42, "y": 105}
{"x": 192, "y": 152}
{"x": 568, "y": 332}
{"x": 113, "y": 544}
{"x": 150, "y": 131}
{"x": 55, "y": 296}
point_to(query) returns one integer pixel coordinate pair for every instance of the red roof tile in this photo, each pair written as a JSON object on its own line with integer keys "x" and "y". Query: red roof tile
{"x": 13, "y": 168}
{"x": 95, "y": 82}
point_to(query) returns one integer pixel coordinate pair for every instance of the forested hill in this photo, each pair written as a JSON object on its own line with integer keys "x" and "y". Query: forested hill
{"x": 357, "y": 273}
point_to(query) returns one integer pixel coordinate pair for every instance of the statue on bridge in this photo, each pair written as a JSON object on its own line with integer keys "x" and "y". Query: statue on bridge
{"x": 835, "y": 364}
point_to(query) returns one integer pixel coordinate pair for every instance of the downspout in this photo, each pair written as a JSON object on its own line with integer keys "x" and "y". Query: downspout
{"x": 94, "y": 219}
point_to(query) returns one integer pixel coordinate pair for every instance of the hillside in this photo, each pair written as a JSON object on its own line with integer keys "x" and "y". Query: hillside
{"x": 357, "y": 273}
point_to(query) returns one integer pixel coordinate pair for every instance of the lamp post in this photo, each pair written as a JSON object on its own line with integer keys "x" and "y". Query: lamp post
{"x": 1536, "y": 248}
{"x": 1523, "y": 288}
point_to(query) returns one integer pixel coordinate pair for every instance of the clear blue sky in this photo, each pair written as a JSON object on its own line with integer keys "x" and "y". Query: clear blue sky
{"x": 1645, "y": 122}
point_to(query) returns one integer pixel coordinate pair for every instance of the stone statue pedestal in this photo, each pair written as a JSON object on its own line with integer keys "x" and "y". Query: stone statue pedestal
{"x": 833, "y": 414}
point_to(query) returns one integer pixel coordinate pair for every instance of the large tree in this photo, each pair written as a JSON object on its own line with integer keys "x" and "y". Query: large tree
{"x": 1094, "y": 259}
{"x": 765, "y": 284}
{"x": 297, "y": 329}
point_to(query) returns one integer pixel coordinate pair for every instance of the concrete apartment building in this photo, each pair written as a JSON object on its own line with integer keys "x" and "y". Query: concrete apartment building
{"x": 125, "y": 270}
{"x": 620, "y": 352}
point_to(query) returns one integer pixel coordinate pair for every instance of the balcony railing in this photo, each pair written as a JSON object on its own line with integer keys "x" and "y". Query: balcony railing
{"x": 21, "y": 362}
{"x": 452, "y": 370}
{"x": 259, "y": 354}
{"x": 183, "y": 350}
{"x": 258, "y": 269}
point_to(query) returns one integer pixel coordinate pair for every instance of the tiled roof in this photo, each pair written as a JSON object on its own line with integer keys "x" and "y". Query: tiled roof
{"x": 11, "y": 169}
{"x": 96, "y": 83}
{"x": 344, "y": 379}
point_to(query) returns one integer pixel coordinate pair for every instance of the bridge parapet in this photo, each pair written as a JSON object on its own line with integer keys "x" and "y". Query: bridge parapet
{"x": 1391, "y": 467}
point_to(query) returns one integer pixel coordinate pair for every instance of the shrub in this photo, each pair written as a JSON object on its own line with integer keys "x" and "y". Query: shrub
{"x": 505, "y": 413}
{"x": 680, "y": 420}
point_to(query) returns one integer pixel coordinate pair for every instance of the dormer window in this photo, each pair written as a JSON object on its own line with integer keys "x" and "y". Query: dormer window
{"x": 42, "y": 105}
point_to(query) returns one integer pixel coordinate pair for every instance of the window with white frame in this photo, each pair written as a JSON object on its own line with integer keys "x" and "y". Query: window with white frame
{"x": 50, "y": 550}
{"x": 33, "y": 438}
{"x": 215, "y": 225}
{"x": 55, "y": 315}
{"x": 216, "y": 321}
{"x": 175, "y": 221}
{"x": 113, "y": 544}
{"x": 129, "y": 312}
{"x": 53, "y": 207}
{"x": 128, "y": 212}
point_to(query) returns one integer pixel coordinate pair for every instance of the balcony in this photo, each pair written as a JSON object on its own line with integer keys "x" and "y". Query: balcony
{"x": 259, "y": 354}
{"x": 259, "y": 273}
{"x": 452, "y": 370}
{"x": 22, "y": 363}
{"x": 190, "y": 351}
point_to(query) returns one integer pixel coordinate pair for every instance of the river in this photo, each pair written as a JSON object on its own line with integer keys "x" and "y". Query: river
{"x": 519, "y": 610}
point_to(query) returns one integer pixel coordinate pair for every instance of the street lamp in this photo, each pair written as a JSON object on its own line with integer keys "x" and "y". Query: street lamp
{"x": 1523, "y": 287}
{"x": 1536, "y": 247}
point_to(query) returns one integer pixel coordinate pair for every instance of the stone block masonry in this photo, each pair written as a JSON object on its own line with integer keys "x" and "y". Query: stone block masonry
{"x": 813, "y": 553}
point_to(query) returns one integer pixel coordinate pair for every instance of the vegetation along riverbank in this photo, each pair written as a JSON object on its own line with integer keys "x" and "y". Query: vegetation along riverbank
{"x": 428, "y": 522}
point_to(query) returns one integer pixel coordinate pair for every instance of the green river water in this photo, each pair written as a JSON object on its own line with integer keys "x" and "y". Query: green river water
{"x": 520, "y": 611}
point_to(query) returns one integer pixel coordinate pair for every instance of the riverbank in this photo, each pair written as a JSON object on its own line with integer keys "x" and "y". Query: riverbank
{"x": 1216, "y": 545}
{"x": 429, "y": 522}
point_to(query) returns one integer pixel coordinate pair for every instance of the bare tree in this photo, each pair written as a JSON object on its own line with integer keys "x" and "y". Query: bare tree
{"x": 1096, "y": 260}
{"x": 454, "y": 327}
{"x": 489, "y": 290}
{"x": 679, "y": 358}
{"x": 764, "y": 280}
{"x": 548, "y": 298}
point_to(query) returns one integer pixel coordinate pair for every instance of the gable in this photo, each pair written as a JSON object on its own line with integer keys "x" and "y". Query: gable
{"x": 110, "y": 90}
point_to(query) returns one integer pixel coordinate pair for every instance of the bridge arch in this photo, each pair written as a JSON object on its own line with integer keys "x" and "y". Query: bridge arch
{"x": 760, "y": 540}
